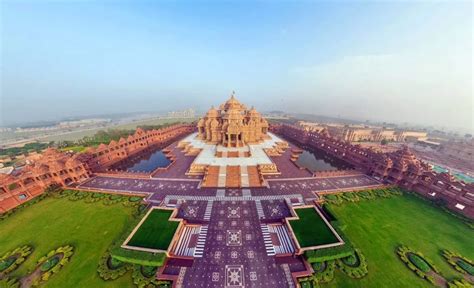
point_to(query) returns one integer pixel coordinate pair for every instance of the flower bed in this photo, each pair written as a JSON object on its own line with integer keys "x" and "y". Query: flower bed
{"x": 144, "y": 276}
{"x": 354, "y": 266}
{"x": 51, "y": 263}
{"x": 459, "y": 262}
{"x": 417, "y": 263}
{"x": 12, "y": 259}
{"x": 110, "y": 268}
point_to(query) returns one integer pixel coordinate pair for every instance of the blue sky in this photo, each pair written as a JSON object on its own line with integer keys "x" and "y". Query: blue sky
{"x": 391, "y": 61}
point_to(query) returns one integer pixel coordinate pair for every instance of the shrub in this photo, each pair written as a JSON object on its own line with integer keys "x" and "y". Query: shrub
{"x": 138, "y": 257}
{"x": 110, "y": 268}
{"x": 49, "y": 264}
{"x": 134, "y": 199}
{"x": 350, "y": 260}
{"x": 330, "y": 253}
{"x": 468, "y": 267}
{"x": 78, "y": 195}
{"x": 460, "y": 283}
{"x": 350, "y": 196}
{"x": 419, "y": 262}
{"x": 52, "y": 263}
{"x": 327, "y": 274}
{"x": 12, "y": 259}
{"x": 143, "y": 276}
{"x": 5, "y": 263}
{"x": 113, "y": 199}
{"x": 317, "y": 266}
{"x": 354, "y": 266}
{"x": 416, "y": 262}
{"x": 305, "y": 284}
{"x": 9, "y": 283}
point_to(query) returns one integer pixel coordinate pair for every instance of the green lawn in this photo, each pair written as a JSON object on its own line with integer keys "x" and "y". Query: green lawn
{"x": 156, "y": 231}
{"x": 310, "y": 229}
{"x": 89, "y": 227}
{"x": 378, "y": 226}
{"x": 76, "y": 149}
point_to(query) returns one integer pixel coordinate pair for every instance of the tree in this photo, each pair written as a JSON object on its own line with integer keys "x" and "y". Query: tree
{"x": 384, "y": 142}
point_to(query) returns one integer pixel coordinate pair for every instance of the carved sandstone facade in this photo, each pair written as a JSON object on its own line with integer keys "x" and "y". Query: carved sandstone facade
{"x": 54, "y": 167}
{"x": 232, "y": 125}
{"x": 400, "y": 167}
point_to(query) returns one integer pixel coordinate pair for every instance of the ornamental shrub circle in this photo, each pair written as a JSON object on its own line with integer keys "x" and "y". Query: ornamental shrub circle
{"x": 5, "y": 263}
{"x": 466, "y": 266}
{"x": 419, "y": 262}
{"x": 49, "y": 264}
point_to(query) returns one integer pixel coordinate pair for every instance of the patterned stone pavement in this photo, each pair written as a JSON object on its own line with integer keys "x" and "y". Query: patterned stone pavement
{"x": 160, "y": 188}
{"x": 235, "y": 254}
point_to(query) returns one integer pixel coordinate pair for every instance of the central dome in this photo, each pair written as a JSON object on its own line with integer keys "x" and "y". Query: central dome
{"x": 232, "y": 125}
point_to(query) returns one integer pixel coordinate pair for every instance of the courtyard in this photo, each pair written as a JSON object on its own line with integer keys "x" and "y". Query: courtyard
{"x": 311, "y": 229}
{"x": 155, "y": 232}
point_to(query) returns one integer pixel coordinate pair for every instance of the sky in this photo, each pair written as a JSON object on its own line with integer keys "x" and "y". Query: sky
{"x": 387, "y": 61}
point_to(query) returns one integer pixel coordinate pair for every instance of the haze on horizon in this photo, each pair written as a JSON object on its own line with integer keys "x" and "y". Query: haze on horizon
{"x": 387, "y": 61}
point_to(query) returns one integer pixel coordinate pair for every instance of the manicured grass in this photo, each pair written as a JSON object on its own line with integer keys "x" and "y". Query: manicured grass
{"x": 73, "y": 148}
{"x": 89, "y": 227}
{"x": 378, "y": 226}
{"x": 310, "y": 229}
{"x": 156, "y": 231}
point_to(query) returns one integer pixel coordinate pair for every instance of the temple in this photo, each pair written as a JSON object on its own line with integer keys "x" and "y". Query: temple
{"x": 233, "y": 125}
{"x": 233, "y": 147}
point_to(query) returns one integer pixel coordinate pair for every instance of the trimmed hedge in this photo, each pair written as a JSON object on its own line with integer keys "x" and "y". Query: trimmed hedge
{"x": 144, "y": 276}
{"x": 331, "y": 253}
{"x": 354, "y": 266}
{"x": 9, "y": 283}
{"x": 63, "y": 254}
{"x": 50, "y": 263}
{"x": 138, "y": 257}
{"x": 339, "y": 198}
{"x": 466, "y": 266}
{"x": 327, "y": 274}
{"x": 14, "y": 258}
{"x": 79, "y": 195}
{"x": 459, "y": 262}
{"x": 414, "y": 261}
{"x": 419, "y": 262}
{"x": 459, "y": 283}
{"x": 110, "y": 268}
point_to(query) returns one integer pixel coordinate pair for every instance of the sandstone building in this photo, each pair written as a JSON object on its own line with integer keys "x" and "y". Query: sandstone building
{"x": 232, "y": 125}
{"x": 357, "y": 133}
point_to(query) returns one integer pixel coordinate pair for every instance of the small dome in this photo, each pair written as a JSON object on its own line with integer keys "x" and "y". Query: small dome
{"x": 212, "y": 112}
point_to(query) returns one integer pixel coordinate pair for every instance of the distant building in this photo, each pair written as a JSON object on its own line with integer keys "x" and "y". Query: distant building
{"x": 188, "y": 113}
{"x": 463, "y": 150}
{"x": 357, "y": 133}
{"x": 5, "y": 129}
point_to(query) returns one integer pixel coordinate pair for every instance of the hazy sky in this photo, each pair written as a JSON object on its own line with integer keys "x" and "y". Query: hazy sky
{"x": 391, "y": 61}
